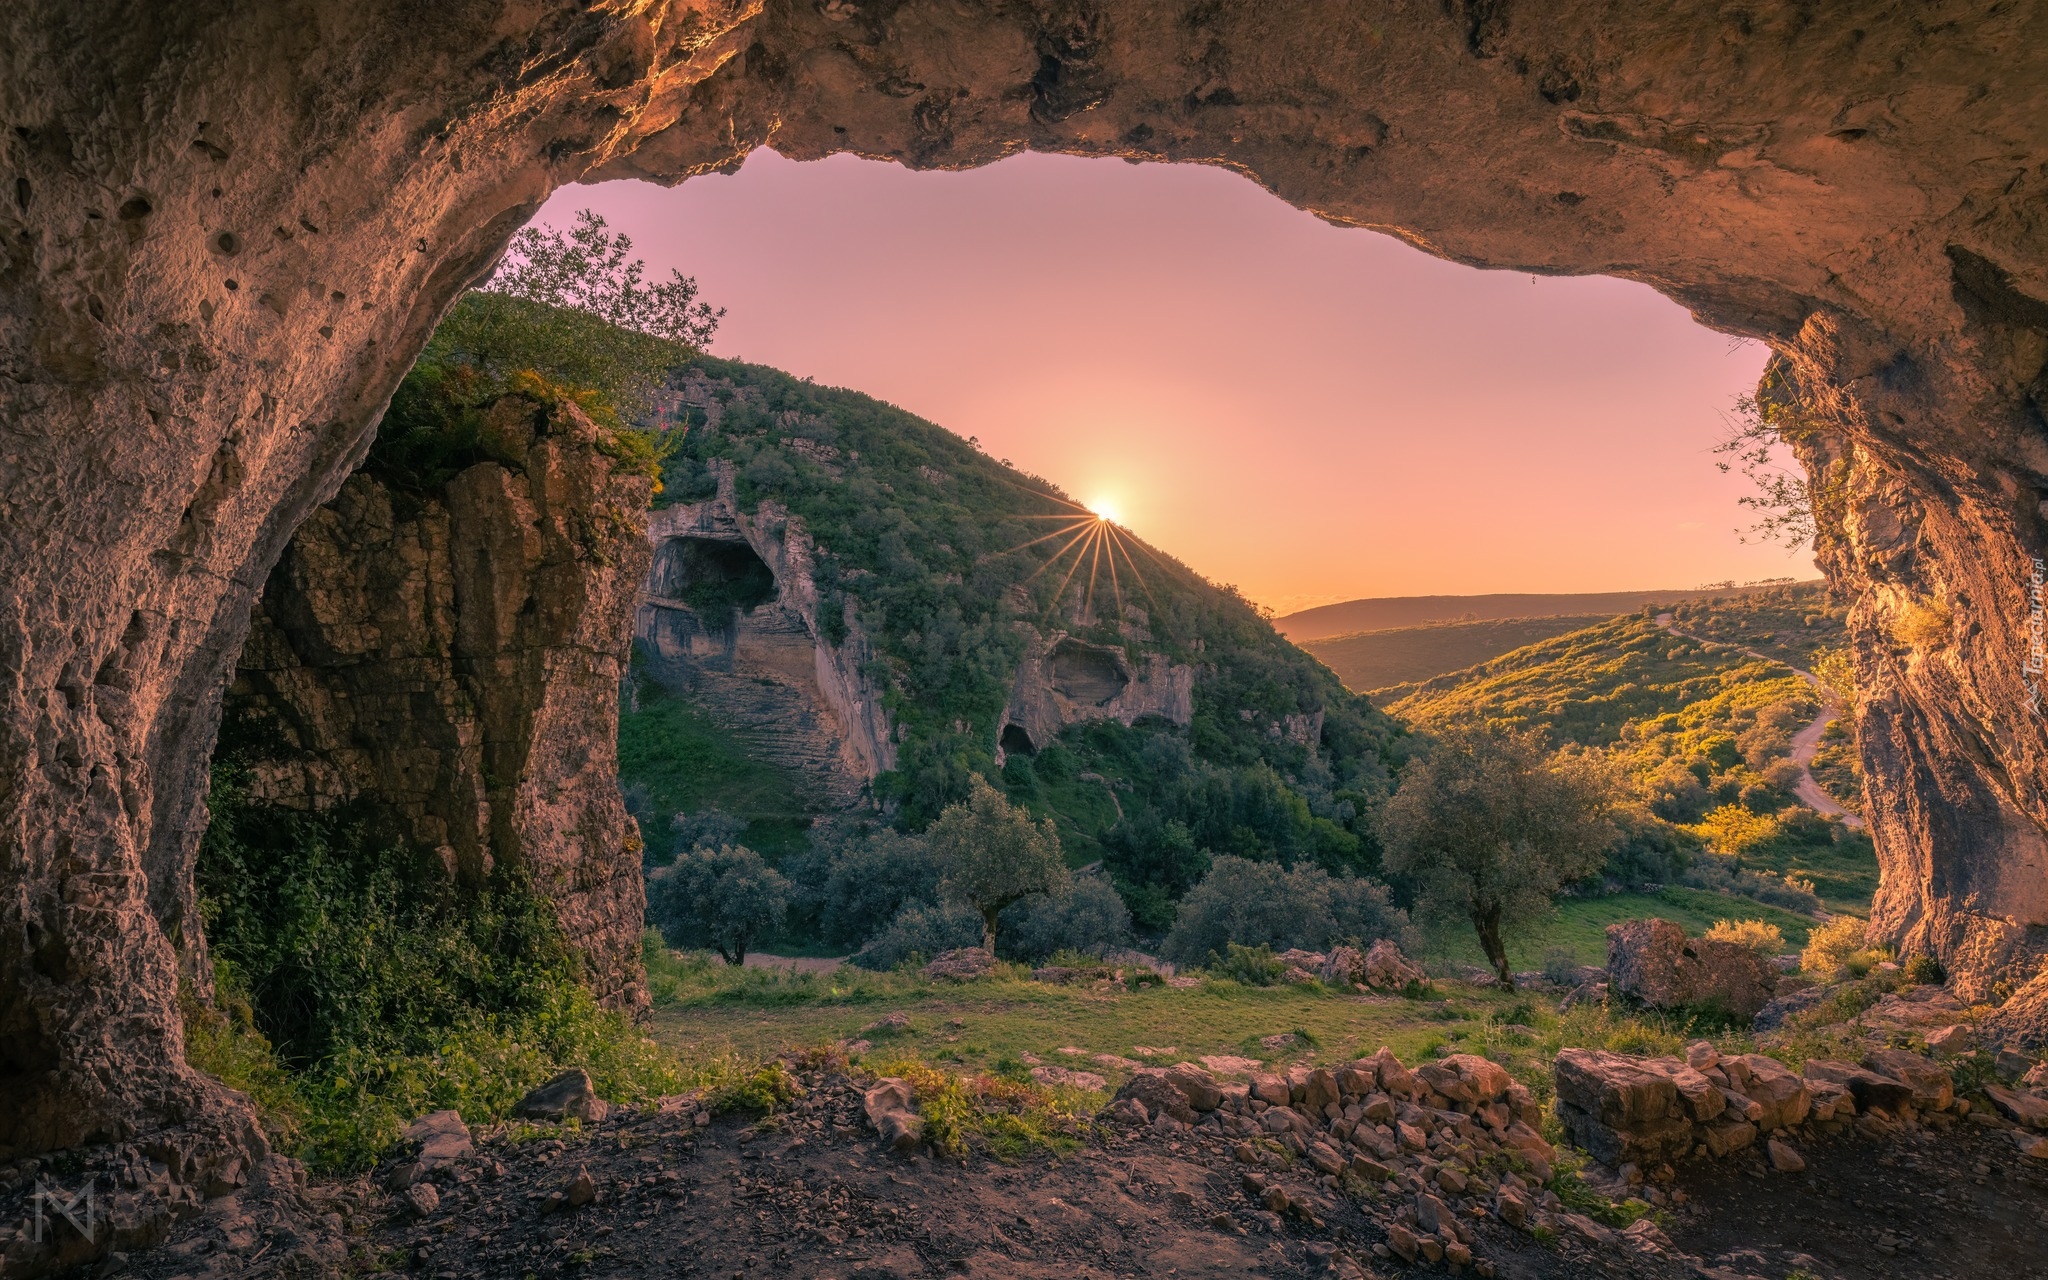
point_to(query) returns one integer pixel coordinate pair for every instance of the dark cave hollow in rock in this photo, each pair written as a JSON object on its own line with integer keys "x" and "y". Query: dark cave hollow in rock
{"x": 714, "y": 577}
{"x": 225, "y": 233}
{"x": 1086, "y": 673}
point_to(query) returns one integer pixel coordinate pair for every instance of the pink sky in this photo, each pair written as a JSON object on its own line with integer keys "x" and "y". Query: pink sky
{"x": 1312, "y": 413}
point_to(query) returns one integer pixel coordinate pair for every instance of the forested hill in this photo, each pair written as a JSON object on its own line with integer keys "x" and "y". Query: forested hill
{"x": 954, "y": 562}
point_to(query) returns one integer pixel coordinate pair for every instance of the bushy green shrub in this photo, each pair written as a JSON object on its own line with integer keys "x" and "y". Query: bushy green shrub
{"x": 1253, "y": 903}
{"x": 867, "y": 879}
{"x": 1765, "y": 939}
{"x": 725, "y": 899}
{"x": 1724, "y": 875}
{"x": 1924, "y": 968}
{"x": 1091, "y": 920}
{"x": 919, "y": 931}
{"x": 1252, "y": 966}
{"x": 357, "y": 987}
{"x": 1829, "y": 947}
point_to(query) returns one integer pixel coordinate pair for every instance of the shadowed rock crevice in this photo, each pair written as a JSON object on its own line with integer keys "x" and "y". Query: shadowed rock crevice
{"x": 225, "y": 232}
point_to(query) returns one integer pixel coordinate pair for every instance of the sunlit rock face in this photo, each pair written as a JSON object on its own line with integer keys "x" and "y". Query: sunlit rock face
{"x": 448, "y": 664}
{"x": 227, "y": 229}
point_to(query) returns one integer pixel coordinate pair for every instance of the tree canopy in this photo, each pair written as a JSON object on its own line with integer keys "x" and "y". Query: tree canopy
{"x": 991, "y": 854}
{"x": 726, "y": 899}
{"x": 1489, "y": 827}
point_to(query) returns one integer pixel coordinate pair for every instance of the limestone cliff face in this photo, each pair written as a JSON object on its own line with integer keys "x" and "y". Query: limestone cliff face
{"x": 1063, "y": 681}
{"x": 766, "y": 671}
{"x": 226, "y": 229}
{"x": 452, "y": 662}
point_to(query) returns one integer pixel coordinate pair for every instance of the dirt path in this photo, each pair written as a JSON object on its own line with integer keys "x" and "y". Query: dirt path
{"x": 1806, "y": 742}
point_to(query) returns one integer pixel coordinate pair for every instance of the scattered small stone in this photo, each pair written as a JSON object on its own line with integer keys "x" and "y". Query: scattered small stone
{"x": 582, "y": 1189}
{"x": 422, "y": 1199}
{"x": 1783, "y": 1158}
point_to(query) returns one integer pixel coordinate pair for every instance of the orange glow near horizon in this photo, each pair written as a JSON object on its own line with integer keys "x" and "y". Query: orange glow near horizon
{"x": 1312, "y": 413}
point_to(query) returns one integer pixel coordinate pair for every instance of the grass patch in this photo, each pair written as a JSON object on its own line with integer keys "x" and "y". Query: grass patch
{"x": 1579, "y": 925}
{"x": 685, "y": 763}
{"x": 991, "y": 1113}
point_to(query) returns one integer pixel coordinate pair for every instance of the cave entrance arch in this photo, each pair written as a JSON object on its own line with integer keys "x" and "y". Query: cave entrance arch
{"x": 226, "y": 243}
{"x": 716, "y": 578}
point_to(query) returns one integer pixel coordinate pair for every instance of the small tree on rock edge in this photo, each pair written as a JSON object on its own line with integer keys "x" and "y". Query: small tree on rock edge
{"x": 1490, "y": 827}
{"x": 991, "y": 854}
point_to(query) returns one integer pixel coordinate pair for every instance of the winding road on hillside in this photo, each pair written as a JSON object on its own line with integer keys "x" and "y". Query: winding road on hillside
{"x": 1806, "y": 742}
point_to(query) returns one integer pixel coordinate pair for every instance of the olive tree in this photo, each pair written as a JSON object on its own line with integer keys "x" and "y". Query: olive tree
{"x": 991, "y": 854}
{"x": 726, "y": 899}
{"x": 1489, "y": 827}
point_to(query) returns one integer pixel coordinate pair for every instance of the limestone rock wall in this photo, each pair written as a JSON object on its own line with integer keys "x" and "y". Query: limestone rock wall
{"x": 769, "y": 674}
{"x": 1063, "y": 681}
{"x": 225, "y": 230}
{"x": 453, "y": 661}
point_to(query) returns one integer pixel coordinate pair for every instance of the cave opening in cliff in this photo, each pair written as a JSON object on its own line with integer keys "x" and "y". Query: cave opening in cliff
{"x": 716, "y": 578}
{"x": 1087, "y": 673}
{"x": 1016, "y": 742}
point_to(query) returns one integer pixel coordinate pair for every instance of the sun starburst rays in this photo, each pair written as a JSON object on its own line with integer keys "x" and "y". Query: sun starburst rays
{"x": 1090, "y": 538}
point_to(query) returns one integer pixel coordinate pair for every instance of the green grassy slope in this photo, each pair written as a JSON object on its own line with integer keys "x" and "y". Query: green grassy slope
{"x": 1698, "y": 730}
{"x": 1399, "y": 656}
{"x": 683, "y": 763}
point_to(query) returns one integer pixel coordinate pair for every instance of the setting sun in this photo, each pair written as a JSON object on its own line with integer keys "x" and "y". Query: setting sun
{"x": 1105, "y": 510}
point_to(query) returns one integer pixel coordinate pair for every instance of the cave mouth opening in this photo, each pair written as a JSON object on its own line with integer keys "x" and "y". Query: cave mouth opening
{"x": 1087, "y": 673}
{"x": 716, "y": 578}
{"x": 1016, "y": 742}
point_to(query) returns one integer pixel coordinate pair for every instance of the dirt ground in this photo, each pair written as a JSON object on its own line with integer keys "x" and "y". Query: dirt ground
{"x": 813, "y": 1195}
{"x": 1962, "y": 1205}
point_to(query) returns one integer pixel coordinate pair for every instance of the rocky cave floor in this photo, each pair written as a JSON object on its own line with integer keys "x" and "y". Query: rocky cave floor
{"x": 814, "y": 1194}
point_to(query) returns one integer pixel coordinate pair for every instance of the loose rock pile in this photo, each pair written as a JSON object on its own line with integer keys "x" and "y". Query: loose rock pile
{"x": 1636, "y": 1114}
{"x": 1452, "y": 1140}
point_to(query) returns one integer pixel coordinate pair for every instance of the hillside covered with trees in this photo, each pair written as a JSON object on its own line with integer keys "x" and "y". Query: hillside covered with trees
{"x": 953, "y": 564}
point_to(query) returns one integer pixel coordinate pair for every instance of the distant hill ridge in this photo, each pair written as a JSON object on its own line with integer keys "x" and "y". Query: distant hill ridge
{"x": 1384, "y": 612}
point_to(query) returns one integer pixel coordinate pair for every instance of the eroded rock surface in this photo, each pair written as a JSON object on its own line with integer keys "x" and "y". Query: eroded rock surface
{"x": 1652, "y": 963}
{"x": 228, "y": 229}
{"x": 451, "y": 660}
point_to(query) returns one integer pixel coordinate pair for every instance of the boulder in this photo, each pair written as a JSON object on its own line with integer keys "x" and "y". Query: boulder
{"x": 1386, "y": 969}
{"x": 1196, "y": 1085}
{"x": 1270, "y": 1089}
{"x": 569, "y": 1096}
{"x": 1782, "y": 1096}
{"x": 1319, "y": 1091}
{"x": 1933, "y": 1087}
{"x": 1159, "y": 1094}
{"x": 1783, "y": 1158}
{"x": 962, "y": 965}
{"x": 1465, "y": 1077}
{"x": 1781, "y": 1009}
{"x": 1869, "y": 1088}
{"x": 891, "y": 1107}
{"x": 2020, "y": 1108}
{"x": 421, "y": 1199}
{"x": 1952, "y": 1041}
{"x": 1653, "y": 963}
{"x": 1343, "y": 966}
{"x": 1624, "y": 1109}
{"x": 1393, "y": 1077}
{"x": 438, "y": 1139}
